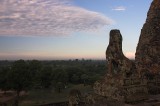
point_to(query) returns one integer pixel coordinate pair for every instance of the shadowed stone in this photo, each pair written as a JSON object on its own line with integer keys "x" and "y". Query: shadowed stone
{"x": 121, "y": 82}
{"x": 117, "y": 62}
{"x": 125, "y": 80}
{"x": 148, "y": 49}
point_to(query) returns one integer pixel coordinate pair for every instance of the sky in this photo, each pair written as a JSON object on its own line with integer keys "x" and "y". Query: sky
{"x": 68, "y": 29}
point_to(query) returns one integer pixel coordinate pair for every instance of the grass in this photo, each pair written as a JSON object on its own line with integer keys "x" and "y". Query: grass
{"x": 45, "y": 96}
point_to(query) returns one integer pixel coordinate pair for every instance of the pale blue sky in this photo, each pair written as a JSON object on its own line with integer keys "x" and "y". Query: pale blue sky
{"x": 65, "y": 36}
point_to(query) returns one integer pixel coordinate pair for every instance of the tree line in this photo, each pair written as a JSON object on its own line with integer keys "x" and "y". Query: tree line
{"x": 24, "y": 75}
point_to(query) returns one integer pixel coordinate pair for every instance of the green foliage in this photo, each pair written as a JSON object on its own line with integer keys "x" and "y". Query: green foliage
{"x": 59, "y": 86}
{"x": 35, "y": 65}
{"x": 75, "y": 73}
{"x": 84, "y": 78}
{"x": 94, "y": 78}
{"x": 60, "y": 75}
{"x": 36, "y": 75}
{"x": 45, "y": 77}
{"x": 19, "y": 76}
{"x": 4, "y": 85}
{"x": 75, "y": 78}
{"x": 35, "y": 68}
{"x": 22, "y": 75}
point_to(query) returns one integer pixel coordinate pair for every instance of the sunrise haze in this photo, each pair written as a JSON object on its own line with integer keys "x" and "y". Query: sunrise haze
{"x": 68, "y": 29}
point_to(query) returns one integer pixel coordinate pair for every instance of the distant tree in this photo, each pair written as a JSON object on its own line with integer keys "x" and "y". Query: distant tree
{"x": 75, "y": 72}
{"x": 59, "y": 86}
{"x": 4, "y": 85}
{"x": 75, "y": 78}
{"x": 94, "y": 78}
{"x": 84, "y": 78}
{"x": 45, "y": 77}
{"x": 60, "y": 75}
{"x": 35, "y": 67}
{"x": 19, "y": 78}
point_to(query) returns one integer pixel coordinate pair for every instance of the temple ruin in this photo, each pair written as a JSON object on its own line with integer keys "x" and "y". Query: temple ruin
{"x": 148, "y": 50}
{"x": 132, "y": 81}
{"x": 121, "y": 81}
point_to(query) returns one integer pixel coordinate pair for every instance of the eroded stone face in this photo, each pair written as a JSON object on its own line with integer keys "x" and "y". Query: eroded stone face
{"x": 118, "y": 64}
{"x": 121, "y": 81}
{"x": 128, "y": 81}
{"x": 148, "y": 49}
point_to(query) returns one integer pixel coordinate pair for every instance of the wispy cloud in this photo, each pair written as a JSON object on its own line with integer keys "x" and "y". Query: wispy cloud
{"x": 47, "y": 18}
{"x": 119, "y": 8}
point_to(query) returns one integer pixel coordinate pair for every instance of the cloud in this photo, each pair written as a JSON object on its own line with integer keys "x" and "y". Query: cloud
{"x": 119, "y": 8}
{"x": 47, "y": 18}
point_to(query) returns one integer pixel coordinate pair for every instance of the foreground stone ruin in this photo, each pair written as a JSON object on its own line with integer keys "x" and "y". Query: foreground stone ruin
{"x": 121, "y": 82}
{"x": 133, "y": 81}
{"x": 148, "y": 49}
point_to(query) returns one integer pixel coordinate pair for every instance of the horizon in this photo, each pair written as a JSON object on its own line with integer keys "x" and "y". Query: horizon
{"x": 68, "y": 29}
{"x": 74, "y": 59}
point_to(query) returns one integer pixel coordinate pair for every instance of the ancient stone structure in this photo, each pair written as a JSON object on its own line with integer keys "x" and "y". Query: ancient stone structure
{"x": 128, "y": 81}
{"x": 121, "y": 82}
{"x": 148, "y": 49}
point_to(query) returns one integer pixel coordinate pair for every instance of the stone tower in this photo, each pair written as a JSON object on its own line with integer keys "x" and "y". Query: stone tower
{"x": 121, "y": 81}
{"x": 117, "y": 62}
{"x": 148, "y": 49}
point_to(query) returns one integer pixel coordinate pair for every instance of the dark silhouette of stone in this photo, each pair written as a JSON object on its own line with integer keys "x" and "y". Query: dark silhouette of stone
{"x": 129, "y": 81}
{"x": 118, "y": 64}
{"x": 148, "y": 49}
{"x": 121, "y": 82}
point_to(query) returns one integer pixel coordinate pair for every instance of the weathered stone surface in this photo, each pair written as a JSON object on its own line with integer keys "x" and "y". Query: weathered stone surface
{"x": 118, "y": 64}
{"x": 148, "y": 49}
{"x": 125, "y": 80}
{"x": 74, "y": 97}
{"x": 121, "y": 81}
